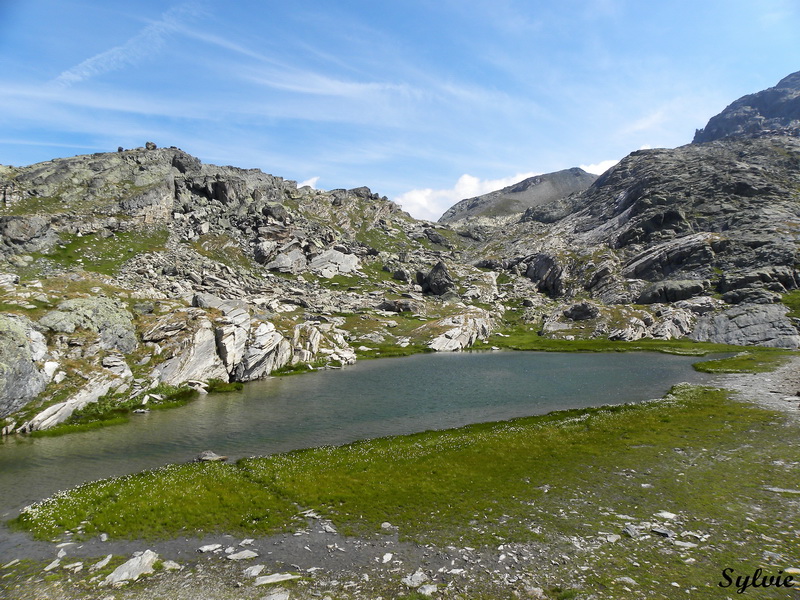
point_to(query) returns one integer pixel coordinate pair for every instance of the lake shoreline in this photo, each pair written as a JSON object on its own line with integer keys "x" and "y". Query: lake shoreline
{"x": 335, "y": 557}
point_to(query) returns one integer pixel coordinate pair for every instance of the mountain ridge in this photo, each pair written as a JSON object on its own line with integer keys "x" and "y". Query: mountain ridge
{"x": 518, "y": 197}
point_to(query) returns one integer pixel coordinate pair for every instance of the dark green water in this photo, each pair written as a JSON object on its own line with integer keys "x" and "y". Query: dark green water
{"x": 370, "y": 399}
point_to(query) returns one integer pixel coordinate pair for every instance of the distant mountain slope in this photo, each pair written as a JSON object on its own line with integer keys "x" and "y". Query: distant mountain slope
{"x": 517, "y": 198}
{"x": 773, "y": 109}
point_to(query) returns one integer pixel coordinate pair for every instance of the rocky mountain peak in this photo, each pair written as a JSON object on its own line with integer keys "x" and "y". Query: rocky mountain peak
{"x": 519, "y": 197}
{"x": 774, "y": 110}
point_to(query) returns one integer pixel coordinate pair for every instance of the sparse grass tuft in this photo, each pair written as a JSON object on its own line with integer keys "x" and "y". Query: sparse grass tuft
{"x": 757, "y": 360}
{"x": 792, "y": 300}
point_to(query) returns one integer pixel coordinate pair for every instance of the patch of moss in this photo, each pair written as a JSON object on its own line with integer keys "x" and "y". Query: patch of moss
{"x": 792, "y": 300}
{"x": 218, "y": 386}
{"x": 757, "y": 360}
{"x": 106, "y": 255}
{"x": 222, "y": 249}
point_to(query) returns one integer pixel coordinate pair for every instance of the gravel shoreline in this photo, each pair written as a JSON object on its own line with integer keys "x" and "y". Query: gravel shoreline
{"x": 777, "y": 390}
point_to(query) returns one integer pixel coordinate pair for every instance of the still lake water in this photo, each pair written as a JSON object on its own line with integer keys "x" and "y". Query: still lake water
{"x": 370, "y": 399}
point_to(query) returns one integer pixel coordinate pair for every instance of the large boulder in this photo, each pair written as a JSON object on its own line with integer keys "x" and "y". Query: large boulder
{"x": 438, "y": 281}
{"x": 333, "y": 262}
{"x": 671, "y": 291}
{"x": 266, "y": 351}
{"x": 22, "y": 348}
{"x": 461, "y": 331}
{"x": 110, "y": 319}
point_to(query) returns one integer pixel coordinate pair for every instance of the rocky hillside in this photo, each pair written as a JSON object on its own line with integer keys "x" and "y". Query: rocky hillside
{"x": 516, "y": 199}
{"x": 144, "y": 269}
{"x": 776, "y": 109}
{"x": 700, "y": 240}
{"x": 128, "y": 278}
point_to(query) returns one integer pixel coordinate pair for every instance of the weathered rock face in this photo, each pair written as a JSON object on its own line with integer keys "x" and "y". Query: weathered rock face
{"x": 462, "y": 330}
{"x": 516, "y": 199}
{"x": 22, "y": 350}
{"x": 95, "y": 388}
{"x": 668, "y": 225}
{"x": 747, "y": 325}
{"x": 112, "y": 321}
{"x": 194, "y": 356}
{"x": 771, "y": 110}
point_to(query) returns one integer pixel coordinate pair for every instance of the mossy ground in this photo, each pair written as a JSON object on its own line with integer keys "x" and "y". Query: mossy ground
{"x": 105, "y": 255}
{"x": 792, "y": 300}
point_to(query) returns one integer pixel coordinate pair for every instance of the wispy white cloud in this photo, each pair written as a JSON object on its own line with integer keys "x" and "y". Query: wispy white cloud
{"x": 312, "y": 183}
{"x": 148, "y": 42}
{"x": 600, "y": 167}
{"x": 430, "y": 204}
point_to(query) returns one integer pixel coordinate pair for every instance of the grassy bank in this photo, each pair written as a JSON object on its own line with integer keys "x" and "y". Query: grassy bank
{"x": 573, "y": 475}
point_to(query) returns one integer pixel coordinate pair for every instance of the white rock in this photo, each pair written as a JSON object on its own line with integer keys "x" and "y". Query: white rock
{"x": 50, "y": 368}
{"x": 198, "y": 360}
{"x": 253, "y": 571}
{"x": 279, "y": 594}
{"x": 387, "y": 557}
{"x": 53, "y": 565}
{"x": 428, "y": 589}
{"x": 464, "y": 330}
{"x": 416, "y": 579}
{"x": 275, "y": 578}
{"x": 243, "y": 555}
{"x": 209, "y": 548}
{"x": 133, "y": 569}
{"x": 666, "y": 515}
{"x": 330, "y": 263}
{"x": 100, "y": 564}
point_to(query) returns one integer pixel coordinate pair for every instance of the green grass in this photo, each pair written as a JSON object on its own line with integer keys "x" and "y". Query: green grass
{"x": 114, "y": 410}
{"x": 521, "y": 337}
{"x": 792, "y": 300}
{"x": 105, "y": 255}
{"x": 218, "y": 386}
{"x": 761, "y": 360}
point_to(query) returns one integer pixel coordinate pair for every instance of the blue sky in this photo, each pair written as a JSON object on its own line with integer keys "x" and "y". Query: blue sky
{"x": 425, "y": 101}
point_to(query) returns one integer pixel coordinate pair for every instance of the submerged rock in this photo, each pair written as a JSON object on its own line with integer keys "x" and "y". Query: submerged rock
{"x": 209, "y": 456}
